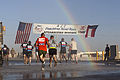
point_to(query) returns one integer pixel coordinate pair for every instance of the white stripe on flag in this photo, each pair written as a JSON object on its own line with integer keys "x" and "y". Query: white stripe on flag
{"x": 89, "y": 32}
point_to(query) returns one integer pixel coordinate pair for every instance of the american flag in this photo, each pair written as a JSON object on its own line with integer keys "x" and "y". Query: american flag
{"x": 90, "y": 32}
{"x": 23, "y": 32}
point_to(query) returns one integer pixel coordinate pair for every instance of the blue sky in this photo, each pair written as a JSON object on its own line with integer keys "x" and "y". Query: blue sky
{"x": 106, "y": 13}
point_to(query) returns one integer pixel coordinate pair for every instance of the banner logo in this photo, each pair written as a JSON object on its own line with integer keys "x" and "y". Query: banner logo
{"x": 38, "y": 28}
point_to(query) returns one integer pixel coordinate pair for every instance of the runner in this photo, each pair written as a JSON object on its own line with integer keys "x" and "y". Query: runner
{"x": 52, "y": 50}
{"x": 63, "y": 46}
{"x": 73, "y": 45}
{"x": 12, "y": 52}
{"x": 36, "y": 52}
{"x": 69, "y": 53}
{"x": 29, "y": 49}
{"x": 5, "y": 51}
{"x": 24, "y": 50}
{"x": 42, "y": 48}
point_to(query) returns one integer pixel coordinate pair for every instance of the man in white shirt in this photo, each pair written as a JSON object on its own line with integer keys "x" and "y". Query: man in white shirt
{"x": 73, "y": 45}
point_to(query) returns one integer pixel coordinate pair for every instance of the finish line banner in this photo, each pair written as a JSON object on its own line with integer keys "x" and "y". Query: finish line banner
{"x": 60, "y": 29}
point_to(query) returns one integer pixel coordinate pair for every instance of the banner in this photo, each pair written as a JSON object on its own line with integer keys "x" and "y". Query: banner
{"x": 60, "y": 29}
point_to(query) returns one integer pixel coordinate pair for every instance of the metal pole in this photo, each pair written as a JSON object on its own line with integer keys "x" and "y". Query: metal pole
{"x": 1, "y": 35}
{"x": 57, "y": 47}
{"x": 103, "y": 55}
{"x": 97, "y": 55}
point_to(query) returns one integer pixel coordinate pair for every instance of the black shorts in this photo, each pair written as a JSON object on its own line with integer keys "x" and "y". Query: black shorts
{"x": 41, "y": 52}
{"x": 63, "y": 50}
{"x": 5, "y": 53}
{"x": 29, "y": 54}
{"x": 73, "y": 51}
{"x": 52, "y": 51}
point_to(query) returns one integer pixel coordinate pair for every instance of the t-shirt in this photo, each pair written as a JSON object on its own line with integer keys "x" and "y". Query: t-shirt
{"x": 5, "y": 50}
{"x": 73, "y": 45}
{"x": 24, "y": 46}
{"x": 36, "y": 48}
{"x": 29, "y": 48}
{"x": 107, "y": 50}
{"x": 41, "y": 41}
{"x": 52, "y": 43}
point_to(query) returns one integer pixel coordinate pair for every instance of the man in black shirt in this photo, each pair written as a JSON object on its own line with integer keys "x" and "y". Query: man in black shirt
{"x": 23, "y": 46}
{"x": 107, "y": 49}
{"x": 5, "y": 51}
{"x": 63, "y": 46}
{"x": 29, "y": 49}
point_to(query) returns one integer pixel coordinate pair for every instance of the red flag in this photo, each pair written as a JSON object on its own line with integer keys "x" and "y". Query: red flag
{"x": 91, "y": 31}
{"x": 23, "y": 32}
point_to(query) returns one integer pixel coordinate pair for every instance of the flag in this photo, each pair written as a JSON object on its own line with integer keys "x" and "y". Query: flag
{"x": 23, "y": 32}
{"x": 90, "y": 32}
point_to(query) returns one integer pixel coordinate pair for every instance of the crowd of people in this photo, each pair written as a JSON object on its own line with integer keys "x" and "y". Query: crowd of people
{"x": 41, "y": 45}
{"x": 6, "y": 51}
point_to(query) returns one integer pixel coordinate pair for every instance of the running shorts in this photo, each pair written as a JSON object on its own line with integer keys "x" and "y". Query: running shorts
{"x": 41, "y": 52}
{"x": 29, "y": 54}
{"x": 63, "y": 50}
{"x": 73, "y": 51}
{"x": 52, "y": 51}
{"x": 36, "y": 53}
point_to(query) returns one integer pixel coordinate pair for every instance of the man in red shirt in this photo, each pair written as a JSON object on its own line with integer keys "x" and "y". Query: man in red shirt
{"x": 42, "y": 48}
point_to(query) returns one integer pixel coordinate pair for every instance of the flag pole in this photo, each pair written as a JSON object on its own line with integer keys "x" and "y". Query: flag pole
{"x": 58, "y": 45}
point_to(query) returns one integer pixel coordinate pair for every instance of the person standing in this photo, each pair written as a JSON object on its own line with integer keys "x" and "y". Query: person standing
{"x": 107, "y": 49}
{"x": 29, "y": 49}
{"x": 42, "y": 48}
{"x": 5, "y": 51}
{"x": 73, "y": 45}
{"x": 52, "y": 50}
{"x": 24, "y": 50}
{"x": 12, "y": 52}
{"x": 63, "y": 46}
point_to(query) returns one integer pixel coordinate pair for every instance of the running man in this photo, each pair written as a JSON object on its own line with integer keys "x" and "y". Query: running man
{"x": 52, "y": 50}
{"x": 42, "y": 48}
{"x": 24, "y": 50}
{"x": 63, "y": 46}
{"x": 36, "y": 52}
{"x": 5, "y": 51}
{"x": 29, "y": 49}
{"x": 73, "y": 45}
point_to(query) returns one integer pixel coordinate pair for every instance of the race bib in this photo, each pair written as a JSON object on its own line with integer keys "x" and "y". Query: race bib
{"x": 41, "y": 41}
{"x": 30, "y": 47}
{"x": 24, "y": 45}
{"x": 63, "y": 44}
{"x": 5, "y": 48}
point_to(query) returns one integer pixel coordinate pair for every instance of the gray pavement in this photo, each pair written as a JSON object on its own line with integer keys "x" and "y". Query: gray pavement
{"x": 84, "y": 70}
